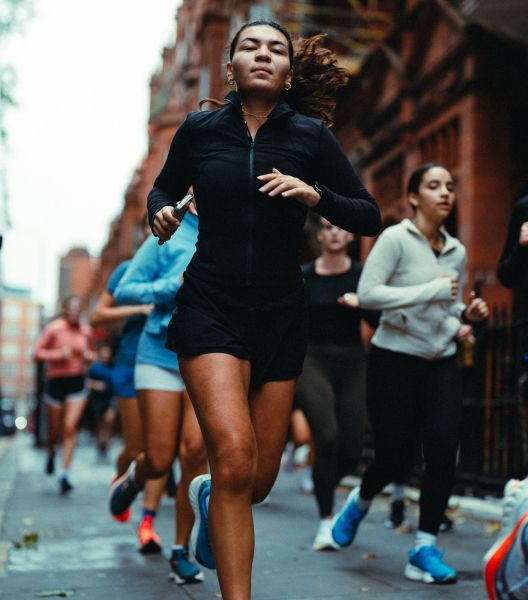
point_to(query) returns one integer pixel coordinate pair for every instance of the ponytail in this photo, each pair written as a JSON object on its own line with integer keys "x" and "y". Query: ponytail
{"x": 316, "y": 79}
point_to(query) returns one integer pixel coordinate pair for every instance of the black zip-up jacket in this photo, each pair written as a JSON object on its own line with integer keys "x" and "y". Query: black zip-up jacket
{"x": 245, "y": 237}
{"x": 512, "y": 270}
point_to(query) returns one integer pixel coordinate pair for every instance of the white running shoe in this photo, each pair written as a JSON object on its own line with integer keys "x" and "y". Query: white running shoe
{"x": 301, "y": 455}
{"x": 514, "y": 504}
{"x": 323, "y": 539}
{"x": 306, "y": 484}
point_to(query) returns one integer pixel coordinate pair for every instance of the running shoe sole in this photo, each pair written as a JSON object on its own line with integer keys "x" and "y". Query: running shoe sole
{"x": 65, "y": 487}
{"x": 198, "y": 578}
{"x": 326, "y": 547}
{"x": 200, "y": 513}
{"x": 125, "y": 516}
{"x": 151, "y": 547}
{"x": 116, "y": 504}
{"x": 416, "y": 574}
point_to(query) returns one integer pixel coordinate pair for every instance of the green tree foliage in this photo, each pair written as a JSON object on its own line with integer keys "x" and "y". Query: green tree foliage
{"x": 13, "y": 15}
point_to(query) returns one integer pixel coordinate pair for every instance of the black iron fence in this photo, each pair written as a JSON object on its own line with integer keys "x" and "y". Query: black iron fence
{"x": 494, "y": 444}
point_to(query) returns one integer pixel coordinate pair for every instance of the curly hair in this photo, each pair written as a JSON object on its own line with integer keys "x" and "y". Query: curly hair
{"x": 316, "y": 74}
{"x": 316, "y": 79}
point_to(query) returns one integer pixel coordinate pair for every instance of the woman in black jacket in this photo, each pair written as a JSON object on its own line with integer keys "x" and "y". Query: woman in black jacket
{"x": 512, "y": 269}
{"x": 256, "y": 167}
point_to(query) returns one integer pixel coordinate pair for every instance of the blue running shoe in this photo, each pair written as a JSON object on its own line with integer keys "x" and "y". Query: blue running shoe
{"x": 347, "y": 520}
{"x": 199, "y": 491}
{"x": 65, "y": 487}
{"x": 123, "y": 492}
{"x": 426, "y": 564}
{"x": 183, "y": 570}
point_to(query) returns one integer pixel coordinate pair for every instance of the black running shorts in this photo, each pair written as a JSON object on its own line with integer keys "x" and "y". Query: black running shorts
{"x": 59, "y": 389}
{"x": 266, "y": 326}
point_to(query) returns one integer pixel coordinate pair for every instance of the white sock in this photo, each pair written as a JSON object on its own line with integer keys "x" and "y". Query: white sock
{"x": 363, "y": 504}
{"x": 398, "y": 493}
{"x": 65, "y": 473}
{"x": 177, "y": 547}
{"x": 424, "y": 539}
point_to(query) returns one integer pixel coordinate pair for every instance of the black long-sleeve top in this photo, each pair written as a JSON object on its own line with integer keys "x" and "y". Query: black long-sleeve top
{"x": 330, "y": 322}
{"x": 247, "y": 238}
{"x": 512, "y": 269}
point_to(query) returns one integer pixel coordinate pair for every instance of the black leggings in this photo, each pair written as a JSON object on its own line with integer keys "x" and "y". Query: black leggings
{"x": 331, "y": 393}
{"x": 411, "y": 402}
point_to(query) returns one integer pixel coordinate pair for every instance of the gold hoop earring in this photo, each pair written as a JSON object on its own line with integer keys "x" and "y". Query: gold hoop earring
{"x": 231, "y": 81}
{"x": 287, "y": 86}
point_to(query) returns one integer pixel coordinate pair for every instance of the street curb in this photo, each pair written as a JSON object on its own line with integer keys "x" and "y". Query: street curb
{"x": 8, "y": 471}
{"x": 475, "y": 508}
{"x": 7, "y": 474}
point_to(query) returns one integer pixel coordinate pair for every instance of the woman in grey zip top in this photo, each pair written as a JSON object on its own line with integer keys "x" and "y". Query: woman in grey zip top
{"x": 414, "y": 394}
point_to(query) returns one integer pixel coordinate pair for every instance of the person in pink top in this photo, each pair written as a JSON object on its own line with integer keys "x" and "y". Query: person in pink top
{"x": 65, "y": 346}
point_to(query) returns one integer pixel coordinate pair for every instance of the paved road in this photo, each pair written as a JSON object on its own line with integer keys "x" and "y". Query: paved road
{"x": 82, "y": 553}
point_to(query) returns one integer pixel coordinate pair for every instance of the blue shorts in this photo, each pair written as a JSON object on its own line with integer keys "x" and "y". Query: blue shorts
{"x": 123, "y": 381}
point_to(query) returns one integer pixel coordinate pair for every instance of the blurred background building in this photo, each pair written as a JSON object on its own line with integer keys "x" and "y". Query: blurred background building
{"x": 19, "y": 328}
{"x": 430, "y": 80}
{"x": 76, "y": 271}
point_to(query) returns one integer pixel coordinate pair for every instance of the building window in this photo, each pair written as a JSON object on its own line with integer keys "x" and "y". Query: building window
{"x": 260, "y": 11}
{"x": 442, "y": 146}
{"x": 10, "y": 350}
{"x": 204, "y": 85}
{"x": 33, "y": 315}
{"x": 12, "y": 311}
{"x": 9, "y": 370}
{"x": 388, "y": 182}
{"x": 9, "y": 390}
{"x": 11, "y": 330}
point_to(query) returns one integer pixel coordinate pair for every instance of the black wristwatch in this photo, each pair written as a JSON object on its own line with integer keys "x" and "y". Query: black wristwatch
{"x": 319, "y": 190}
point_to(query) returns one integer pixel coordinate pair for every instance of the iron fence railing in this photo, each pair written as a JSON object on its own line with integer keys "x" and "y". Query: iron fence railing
{"x": 494, "y": 445}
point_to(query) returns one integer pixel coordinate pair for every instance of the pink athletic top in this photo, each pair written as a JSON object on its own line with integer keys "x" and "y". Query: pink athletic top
{"x": 54, "y": 339}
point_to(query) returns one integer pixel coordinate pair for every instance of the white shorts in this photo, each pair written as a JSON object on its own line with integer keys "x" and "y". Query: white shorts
{"x": 151, "y": 377}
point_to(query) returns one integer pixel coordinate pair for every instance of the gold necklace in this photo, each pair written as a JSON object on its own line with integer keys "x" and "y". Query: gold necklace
{"x": 250, "y": 114}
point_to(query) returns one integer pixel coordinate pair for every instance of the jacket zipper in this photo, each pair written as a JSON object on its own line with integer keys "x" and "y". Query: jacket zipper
{"x": 251, "y": 207}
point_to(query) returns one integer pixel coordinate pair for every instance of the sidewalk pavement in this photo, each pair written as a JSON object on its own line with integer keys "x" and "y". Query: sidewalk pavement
{"x": 57, "y": 546}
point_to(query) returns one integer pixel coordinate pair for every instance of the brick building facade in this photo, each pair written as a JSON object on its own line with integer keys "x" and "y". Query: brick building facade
{"x": 19, "y": 328}
{"x": 76, "y": 272}
{"x": 447, "y": 85}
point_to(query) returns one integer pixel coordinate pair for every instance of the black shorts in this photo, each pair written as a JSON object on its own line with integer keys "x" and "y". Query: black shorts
{"x": 59, "y": 389}
{"x": 100, "y": 402}
{"x": 266, "y": 326}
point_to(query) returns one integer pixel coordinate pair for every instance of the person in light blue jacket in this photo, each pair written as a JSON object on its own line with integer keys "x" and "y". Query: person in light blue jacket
{"x": 170, "y": 427}
{"x": 414, "y": 276}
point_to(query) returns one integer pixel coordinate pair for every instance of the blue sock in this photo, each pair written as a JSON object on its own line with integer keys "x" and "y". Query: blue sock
{"x": 149, "y": 513}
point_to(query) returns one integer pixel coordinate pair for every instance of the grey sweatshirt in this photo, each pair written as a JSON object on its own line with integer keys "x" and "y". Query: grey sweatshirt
{"x": 404, "y": 278}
